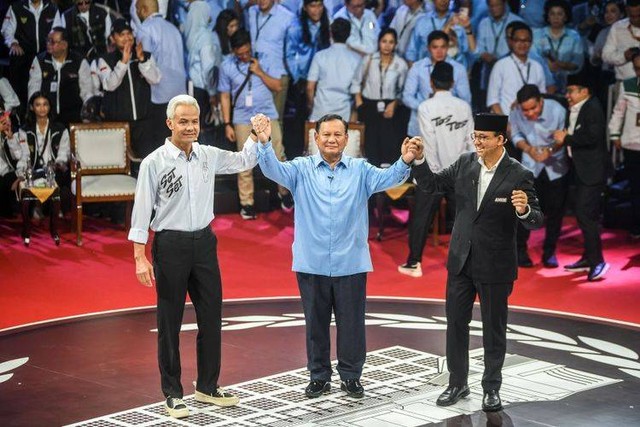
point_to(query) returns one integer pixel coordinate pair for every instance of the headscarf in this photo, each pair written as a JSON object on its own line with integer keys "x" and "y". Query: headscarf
{"x": 196, "y": 28}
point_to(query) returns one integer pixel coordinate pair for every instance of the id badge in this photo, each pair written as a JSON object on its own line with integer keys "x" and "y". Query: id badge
{"x": 248, "y": 100}
{"x": 380, "y": 106}
{"x": 638, "y": 119}
{"x": 54, "y": 87}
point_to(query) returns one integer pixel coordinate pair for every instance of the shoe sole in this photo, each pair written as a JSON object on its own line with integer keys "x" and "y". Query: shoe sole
{"x": 462, "y": 395}
{"x": 325, "y": 389}
{"x": 218, "y": 401}
{"x": 577, "y": 269}
{"x": 354, "y": 395}
{"x": 601, "y": 274}
{"x": 177, "y": 413}
{"x": 409, "y": 272}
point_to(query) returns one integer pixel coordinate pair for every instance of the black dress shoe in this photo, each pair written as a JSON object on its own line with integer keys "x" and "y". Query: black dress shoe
{"x": 550, "y": 261}
{"x": 578, "y": 266}
{"x": 491, "y": 401}
{"x": 524, "y": 260}
{"x": 353, "y": 388}
{"x": 316, "y": 388}
{"x": 598, "y": 272}
{"x": 452, "y": 394}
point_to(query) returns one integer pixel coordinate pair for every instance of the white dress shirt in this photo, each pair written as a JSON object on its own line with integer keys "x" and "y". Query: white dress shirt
{"x": 621, "y": 38}
{"x": 378, "y": 83}
{"x": 508, "y": 75}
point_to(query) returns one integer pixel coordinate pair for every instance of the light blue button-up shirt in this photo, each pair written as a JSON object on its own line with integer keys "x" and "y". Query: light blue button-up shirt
{"x": 417, "y": 88}
{"x": 268, "y": 32}
{"x": 364, "y": 31}
{"x": 567, "y": 48}
{"x": 331, "y": 216}
{"x": 298, "y": 54}
{"x": 232, "y": 74}
{"x": 418, "y": 49}
{"x": 181, "y": 190}
{"x": 333, "y": 70}
{"x": 532, "y": 11}
{"x": 539, "y": 133}
{"x": 163, "y": 40}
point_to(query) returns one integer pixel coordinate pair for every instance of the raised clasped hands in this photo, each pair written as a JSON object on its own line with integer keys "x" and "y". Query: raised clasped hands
{"x": 262, "y": 127}
{"x": 412, "y": 149}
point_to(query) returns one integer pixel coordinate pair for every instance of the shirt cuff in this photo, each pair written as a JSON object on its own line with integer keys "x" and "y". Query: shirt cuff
{"x": 418, "y": 162}
{"x": 138, "y": 236}
{"x": 261, "y": 147}
{"x": 526, "y": 214}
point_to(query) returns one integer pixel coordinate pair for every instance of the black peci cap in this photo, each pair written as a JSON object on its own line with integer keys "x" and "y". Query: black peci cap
{"x": 119, "y": 25}
{"x": 491, "y": 122}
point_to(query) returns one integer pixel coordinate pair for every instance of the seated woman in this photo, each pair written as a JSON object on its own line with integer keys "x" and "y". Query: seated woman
{"x": 48, "y": 143}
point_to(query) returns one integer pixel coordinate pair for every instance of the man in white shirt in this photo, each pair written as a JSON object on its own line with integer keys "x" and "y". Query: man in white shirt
{"x": 512, "y": 72}
{"x": 623, "y": 41}
{"x": 446, "y": 124}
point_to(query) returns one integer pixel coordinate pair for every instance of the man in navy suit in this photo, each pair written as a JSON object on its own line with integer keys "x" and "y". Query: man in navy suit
{"x": 493, "y": 193}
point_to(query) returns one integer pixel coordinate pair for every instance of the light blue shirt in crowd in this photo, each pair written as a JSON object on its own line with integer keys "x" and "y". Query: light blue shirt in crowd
{"x": 539, "y": 133}
{"x": 364, "y": 31}
{"x": 508, "y": 75}
{"x": 181, "y": 190}
{"x": 333, "y": 70}
{"x": 268, "y": 32}
{"x": 232, "y": 74}
{"x": 298, "y": 55}
{"x": 491, "y": 38}
{"x": 418, "y": 49}
{"x": 331, "y": 217}
{"x": 417, "y": 88}
{"x": 163, "y": 40}
{"x": 567, "y": 48}
{"x": 532, "y": 12}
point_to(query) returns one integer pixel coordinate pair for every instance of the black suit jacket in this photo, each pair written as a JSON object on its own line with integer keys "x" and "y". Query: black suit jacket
{"x": 490, "y": 231}
{"x": 588, "y": 144}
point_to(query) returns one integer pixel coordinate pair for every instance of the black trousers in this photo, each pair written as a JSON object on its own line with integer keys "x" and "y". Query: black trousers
{"x": 8, "y": 202}
{"x": 552, "y": 196}
{"x": 588, "y": 208}
{"x": 346, "y": 297}
{"x": 461, "y": 293}
{"x": 382, "y": 136}
{"x": 632, "y": 170}
{"x": 188, "y": 262}
{"x": 425, "y": 209}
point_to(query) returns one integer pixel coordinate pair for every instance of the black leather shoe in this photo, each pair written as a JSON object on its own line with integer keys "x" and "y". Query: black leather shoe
{"x": 353, "y": 388}
{"x": 578, "y": 266}
{"x": 550, "y": 261}
{"x": 491, "y": 401}
{"x": 452, "y": 394}
{"x": 598, "y": 272}
{"x": 316, "y": 388}
{"x": 524, "y": 260}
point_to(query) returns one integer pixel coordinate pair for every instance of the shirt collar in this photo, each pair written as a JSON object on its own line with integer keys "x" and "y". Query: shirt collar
{"x": 578, "y": 106}
{"x": 484, "y": 167}
{"x": 174, "y": 152}
{"x": 517, "y": 60}
{"x": 318, "y": 160}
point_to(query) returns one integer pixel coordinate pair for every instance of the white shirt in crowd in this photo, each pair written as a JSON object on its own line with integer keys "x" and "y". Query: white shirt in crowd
{"x": 622, "y": 36}
{"x": 375, "y": 83}
{"x": 508, "y": 75}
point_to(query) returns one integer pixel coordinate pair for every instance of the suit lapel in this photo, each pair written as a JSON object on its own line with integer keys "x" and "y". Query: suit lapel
{"x": 475, "y": 177}
{"x": 501, "y": 173}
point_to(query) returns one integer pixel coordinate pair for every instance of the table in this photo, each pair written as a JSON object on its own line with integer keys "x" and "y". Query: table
{"x": 39, "y": 194}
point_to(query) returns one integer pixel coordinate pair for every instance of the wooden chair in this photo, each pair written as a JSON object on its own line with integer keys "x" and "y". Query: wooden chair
{"x": 101, "y": 167}
{"x": 355, "y": 145}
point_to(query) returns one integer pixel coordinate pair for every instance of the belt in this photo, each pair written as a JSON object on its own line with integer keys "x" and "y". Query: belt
{"x": 185, "y": 234}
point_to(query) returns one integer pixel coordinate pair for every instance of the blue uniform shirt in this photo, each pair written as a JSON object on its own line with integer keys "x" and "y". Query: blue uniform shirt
{"x": 417, "y": 48}
{"x": 299, "y": 55}
{"x": 331, "y": 216}
{"x": 268, "y": 33}
{"x": 539, "y": 133}
{"x": 417, "y": 88}
{"x": 364, "y": 31}
{"x": 232, "y": 74}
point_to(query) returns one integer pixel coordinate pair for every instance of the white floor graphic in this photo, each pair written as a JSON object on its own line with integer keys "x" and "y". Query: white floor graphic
{"x": 401, "y": 386}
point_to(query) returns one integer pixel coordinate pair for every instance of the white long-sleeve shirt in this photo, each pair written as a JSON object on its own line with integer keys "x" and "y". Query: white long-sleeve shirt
{"x": 508, "y": 75}
{"x": 8, "y": 95}
{"x": 11, "y": 23}
{"x": 43, "y": 146}
{"x": 446, "y": 124}
{"x": 620, "y": 38}
{"x": 623, "y": 124}
{"x": 18, "y": 151}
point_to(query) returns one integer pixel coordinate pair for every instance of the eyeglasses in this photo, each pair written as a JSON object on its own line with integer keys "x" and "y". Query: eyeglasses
{"x": 526, "y": 41}
{"x": 51, "y": 41}
{"x": 480, "y": 138}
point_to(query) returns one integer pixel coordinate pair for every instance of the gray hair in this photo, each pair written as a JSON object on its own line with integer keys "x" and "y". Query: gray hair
{"x": 180, "y": 100}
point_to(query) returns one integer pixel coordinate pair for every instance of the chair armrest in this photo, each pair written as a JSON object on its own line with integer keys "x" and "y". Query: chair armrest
{"x": 132, "y": 156}
{"x": 74, "y": 164}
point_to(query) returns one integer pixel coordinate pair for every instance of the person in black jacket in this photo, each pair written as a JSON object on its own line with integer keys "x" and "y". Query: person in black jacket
{"x": 89, "y": 27}
{"x": 587, "y": 146}
{"x": 493, "y": 193}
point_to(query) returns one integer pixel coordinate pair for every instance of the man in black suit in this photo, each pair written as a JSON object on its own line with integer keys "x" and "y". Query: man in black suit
{"x": 587, "y": 146}
{"x": 493, "y": 193}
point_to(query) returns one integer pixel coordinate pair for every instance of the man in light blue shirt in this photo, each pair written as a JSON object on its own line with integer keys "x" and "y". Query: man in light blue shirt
{"x": 533, "y": 122}
{"x": 417, "y": 86}
{"x": 163, "y": 40}
{"x": 330, "y": 250}
{"x": 268, "y": 23}
{"x": 331, "y": 74}
{"x": 177, "y": 181}
{"x": 364, "y": 26}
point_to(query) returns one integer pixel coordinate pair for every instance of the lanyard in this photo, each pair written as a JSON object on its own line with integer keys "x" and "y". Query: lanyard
{"x": 433, "y": 22}
{"x": 496, "y": 36}
{"x": 353, "y": 23}
{"x": 259, "y": 28}
{"x": 555, "y": 50}
{"x": 383, "y": 75}
{"x": 412, "y": 17}
{"x": 520, "y": 72}
{"x": 250, "y": 82}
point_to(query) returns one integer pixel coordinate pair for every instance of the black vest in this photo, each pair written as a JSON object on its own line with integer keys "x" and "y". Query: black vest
{"x": 117, "y": 105}
{"x": 6, "y": 153}
{"x": 53, "y": 137}
{"x": 68, "y": 87}
{"x": 26, "y": 26}
{"x": 79, "y": 41}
